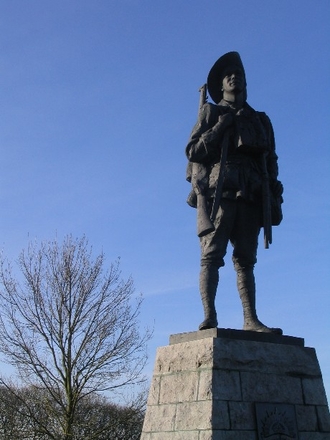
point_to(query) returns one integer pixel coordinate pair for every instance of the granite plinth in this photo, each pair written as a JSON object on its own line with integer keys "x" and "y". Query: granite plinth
{"x": 213, "y": 385}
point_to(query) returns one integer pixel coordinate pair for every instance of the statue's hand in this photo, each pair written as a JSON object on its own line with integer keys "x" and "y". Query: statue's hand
{"x": 226, "y": 119}
{"x": 216, "y": 132}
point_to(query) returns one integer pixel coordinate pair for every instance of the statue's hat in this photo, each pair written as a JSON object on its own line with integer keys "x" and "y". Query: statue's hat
{"x": 215, "y": 76}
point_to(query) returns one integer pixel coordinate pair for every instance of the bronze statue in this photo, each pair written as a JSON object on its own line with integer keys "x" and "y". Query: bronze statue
{"x": 233, "y": 171}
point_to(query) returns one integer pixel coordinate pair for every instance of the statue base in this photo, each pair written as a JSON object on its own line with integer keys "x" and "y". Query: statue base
{"x": 222, "y": 384}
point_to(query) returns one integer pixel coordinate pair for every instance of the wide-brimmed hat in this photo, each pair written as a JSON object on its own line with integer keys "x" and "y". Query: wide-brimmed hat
{"x": 215, "y": 76}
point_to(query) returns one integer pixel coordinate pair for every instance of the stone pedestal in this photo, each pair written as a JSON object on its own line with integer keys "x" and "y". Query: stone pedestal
{"x": 222, "y": 384}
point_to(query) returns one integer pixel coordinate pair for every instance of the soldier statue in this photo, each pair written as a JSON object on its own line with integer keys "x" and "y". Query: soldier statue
{"x": 233, "y": 171}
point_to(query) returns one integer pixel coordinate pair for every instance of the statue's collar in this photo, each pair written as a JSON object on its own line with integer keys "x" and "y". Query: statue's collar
{"x": 232, "y": 105}
{"x": 236, "y": 108}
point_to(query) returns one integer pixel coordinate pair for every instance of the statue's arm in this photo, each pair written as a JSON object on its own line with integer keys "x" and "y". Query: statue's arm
{"x": 204, "y": 143}
{"x": 272, "y": 162}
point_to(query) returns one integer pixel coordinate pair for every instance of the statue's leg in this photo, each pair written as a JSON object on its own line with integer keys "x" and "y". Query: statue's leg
{"x": 247, "y": 291}
{"x": 245, "y": 242}
{"x": 213, "y": 250}
{"x": 208, "y": 283}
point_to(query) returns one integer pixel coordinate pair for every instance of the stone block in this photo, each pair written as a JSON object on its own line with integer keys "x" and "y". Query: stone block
{"x": 194, "y": 414}
{"x": 206, "y": 435}
{"x": 323, "y": 418}
{"x": 242, "y": 416}
{"x": 205, "y": 385}
{"x": 179, "y": 387}
{"x": 313, "y": 390}
{"x": 261, "y": 387}
{"x": 184, "y": 357}
{"x": 220, "y": 415}
{"x": 219, "y": 385}
{"x": 160, "y": 418}
{"x": 184, "y": 435}
{"x": 234, "y": 435}
{"x": 153, "y": 396}
{"x": 314, "y": 436}
{"x": 306, "y": 418}
{"x": 226, "y": 385}
{"x": 187, "y": 435}
{"x": 260, "y": 357}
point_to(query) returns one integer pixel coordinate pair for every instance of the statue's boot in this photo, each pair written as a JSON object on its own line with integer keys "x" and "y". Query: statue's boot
{"x": 247, "y": 292}
{"x": 208, "y": 283}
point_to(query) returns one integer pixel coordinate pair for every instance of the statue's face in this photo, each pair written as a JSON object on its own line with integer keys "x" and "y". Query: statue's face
{"x": 234, "y": 80}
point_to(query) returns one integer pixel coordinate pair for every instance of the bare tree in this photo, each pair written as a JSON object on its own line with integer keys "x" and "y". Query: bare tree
{"x": 69, "y": 328}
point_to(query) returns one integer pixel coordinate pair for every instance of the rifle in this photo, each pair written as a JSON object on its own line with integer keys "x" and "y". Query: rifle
{"x": 204, "y": 224}
{"x": 266, "y": 212}
{"x": 202, "y": 97}
{"x": 222, "y": 164}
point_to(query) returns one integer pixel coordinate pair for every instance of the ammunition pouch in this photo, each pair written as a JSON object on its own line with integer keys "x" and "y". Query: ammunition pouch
{"x": 275, "y": 210}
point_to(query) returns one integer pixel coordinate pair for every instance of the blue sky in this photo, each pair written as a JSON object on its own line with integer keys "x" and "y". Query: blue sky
{"x": 98, "y": 101}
